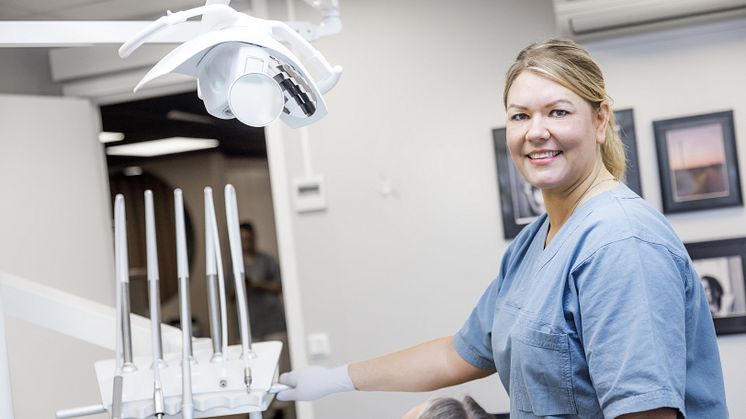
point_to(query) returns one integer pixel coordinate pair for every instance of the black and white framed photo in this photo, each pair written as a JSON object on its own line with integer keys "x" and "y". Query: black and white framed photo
{"x": 697, "y": 162}
{"x": 625, "y": 125}
{"x": 721, "y": 266}
{"x": 522, "y": 203}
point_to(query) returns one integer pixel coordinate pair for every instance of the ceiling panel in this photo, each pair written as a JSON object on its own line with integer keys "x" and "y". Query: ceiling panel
{"x": 11, "y": 12}
{"x": 45, "y": 6}
{"x": 97, "y": 9}
{"x": 126, "y": 9}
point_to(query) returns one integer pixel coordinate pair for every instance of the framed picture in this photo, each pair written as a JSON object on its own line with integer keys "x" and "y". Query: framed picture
{"x": 721, "y": 266}
{"x": 625, "y": 125}
{"x": 697, "y": 162}
{"x": 522, "y": 203}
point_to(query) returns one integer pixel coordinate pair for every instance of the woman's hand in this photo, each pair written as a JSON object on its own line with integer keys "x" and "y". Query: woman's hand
{"x": 313, "y": 383}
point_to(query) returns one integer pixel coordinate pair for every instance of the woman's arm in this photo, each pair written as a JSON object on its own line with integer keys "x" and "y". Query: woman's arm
{"x": 651, "y": 414}
{"x": 425, "y": 367}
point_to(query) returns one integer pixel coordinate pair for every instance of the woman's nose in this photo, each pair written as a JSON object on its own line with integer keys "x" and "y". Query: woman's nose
{"x": 537, "y": 130}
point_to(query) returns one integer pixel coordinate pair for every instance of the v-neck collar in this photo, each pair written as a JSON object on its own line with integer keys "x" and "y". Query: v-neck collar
{"x": 572, "y": 223}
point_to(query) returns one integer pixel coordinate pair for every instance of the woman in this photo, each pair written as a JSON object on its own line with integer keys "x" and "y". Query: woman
{"x": 597, "y": 310}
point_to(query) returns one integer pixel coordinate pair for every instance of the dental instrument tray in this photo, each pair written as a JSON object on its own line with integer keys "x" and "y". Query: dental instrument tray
{"x": 209, "y": 398}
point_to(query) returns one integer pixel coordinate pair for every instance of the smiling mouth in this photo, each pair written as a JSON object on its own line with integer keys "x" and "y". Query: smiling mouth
{"x": 544, "y": 155}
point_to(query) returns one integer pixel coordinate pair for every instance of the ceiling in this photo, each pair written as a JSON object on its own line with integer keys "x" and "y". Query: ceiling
{"x": 97, "y": 9}
{"x": 181, "y": 115}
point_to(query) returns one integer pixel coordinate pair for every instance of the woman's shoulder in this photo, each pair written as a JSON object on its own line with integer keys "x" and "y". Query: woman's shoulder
{"x": 620, "y": 215}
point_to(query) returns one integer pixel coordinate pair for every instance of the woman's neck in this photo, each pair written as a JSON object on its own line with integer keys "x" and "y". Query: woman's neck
{"x": 561, "y": 205}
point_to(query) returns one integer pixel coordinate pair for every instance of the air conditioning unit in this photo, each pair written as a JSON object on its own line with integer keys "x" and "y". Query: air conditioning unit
{"x": 587, "y": 19}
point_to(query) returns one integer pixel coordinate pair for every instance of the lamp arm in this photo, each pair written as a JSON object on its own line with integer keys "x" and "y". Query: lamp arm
{"x": 76, "y": 33}
{"x": 220, "y": 14}
{"x": 331, "y": 23}
{"x": 330, "y": 75}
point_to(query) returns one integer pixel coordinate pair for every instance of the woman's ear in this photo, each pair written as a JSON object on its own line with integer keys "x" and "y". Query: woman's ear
{"x": 602, "y": 121}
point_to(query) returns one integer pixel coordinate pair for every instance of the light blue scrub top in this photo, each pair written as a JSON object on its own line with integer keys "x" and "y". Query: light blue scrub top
{"x": 609, "y": 319}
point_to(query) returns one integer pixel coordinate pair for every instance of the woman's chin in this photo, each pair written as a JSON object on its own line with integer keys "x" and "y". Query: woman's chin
{"x": 546, "y": 183}
{"x": 542, "y": 184}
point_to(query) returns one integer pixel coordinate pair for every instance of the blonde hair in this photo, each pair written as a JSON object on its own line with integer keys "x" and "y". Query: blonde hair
{"x": 570, "y": 65}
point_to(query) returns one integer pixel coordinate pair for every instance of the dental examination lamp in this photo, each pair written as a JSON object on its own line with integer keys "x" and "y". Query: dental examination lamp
{"x": 243, "y": 70}
{"x": 245, "y": 67}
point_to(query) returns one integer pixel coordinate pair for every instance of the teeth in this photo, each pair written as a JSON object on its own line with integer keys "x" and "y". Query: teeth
{"x": 543, "y": 155}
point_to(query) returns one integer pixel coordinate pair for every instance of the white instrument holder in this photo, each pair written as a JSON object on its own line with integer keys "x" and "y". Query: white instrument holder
{"x": 209, "y": 398}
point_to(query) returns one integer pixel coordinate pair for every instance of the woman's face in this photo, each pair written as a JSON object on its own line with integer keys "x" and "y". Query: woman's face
{"x": 552, "y": 133}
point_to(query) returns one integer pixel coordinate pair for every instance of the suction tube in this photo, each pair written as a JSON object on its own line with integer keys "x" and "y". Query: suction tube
{"x": 187, "y": 406}
{"x": 213, "y": 252}
{"x": 155, "y": 307}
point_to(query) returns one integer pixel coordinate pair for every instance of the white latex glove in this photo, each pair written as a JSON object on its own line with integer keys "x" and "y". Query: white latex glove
{"x": 313, "y": 383}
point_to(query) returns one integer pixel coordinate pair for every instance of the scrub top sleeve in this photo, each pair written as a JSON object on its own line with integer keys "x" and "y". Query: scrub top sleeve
{"x": 473, "y": 341}
{"x": 631, "y": 296}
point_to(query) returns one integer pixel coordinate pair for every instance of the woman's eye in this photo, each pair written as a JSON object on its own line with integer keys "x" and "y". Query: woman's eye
{"x": 560, "y": 113}
{"x": 518, "y": 117}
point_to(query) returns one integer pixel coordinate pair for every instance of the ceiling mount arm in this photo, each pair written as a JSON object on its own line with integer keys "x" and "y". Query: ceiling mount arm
{"x": 219, "y": 13}
{"x": 317, "y": 61}
{"x": 331, "y": 23}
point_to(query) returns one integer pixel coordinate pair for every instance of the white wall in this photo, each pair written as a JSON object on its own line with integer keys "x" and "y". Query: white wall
{"x": 55, "y": 229}
{"x": 677, "y": 73}
{"x": 414, "y": 110}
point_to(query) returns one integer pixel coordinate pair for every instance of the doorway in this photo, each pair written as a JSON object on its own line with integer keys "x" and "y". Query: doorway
{"x": 237, "y": 156}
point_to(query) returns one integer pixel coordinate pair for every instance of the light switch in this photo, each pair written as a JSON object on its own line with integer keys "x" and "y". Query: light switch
{"x": 318, "y": 345}
{"x": 309, "y": 194}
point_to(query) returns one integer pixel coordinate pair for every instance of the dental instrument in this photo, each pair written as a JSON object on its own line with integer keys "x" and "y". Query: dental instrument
{"x": 187, "y": 407}
{"x": 242, "y": 382}
{"x": 123, "y": 283}
{"x": 120, "y": 254}
{"x": 211, "y": 277}
{"x": 155, "y": 306}
{"x": 234, "y": 238}
{"x": 214, "y": 256}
